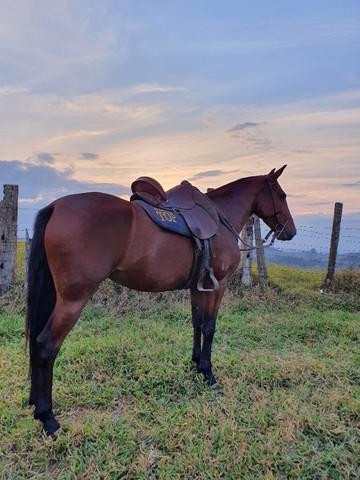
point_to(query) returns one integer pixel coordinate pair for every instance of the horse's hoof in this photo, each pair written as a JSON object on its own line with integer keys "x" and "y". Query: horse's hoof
{"x": 214, "y": 386}
{"x": 212, "y": 383}
{"x": 49, "y": 422}
{"x": 51, "y": 426}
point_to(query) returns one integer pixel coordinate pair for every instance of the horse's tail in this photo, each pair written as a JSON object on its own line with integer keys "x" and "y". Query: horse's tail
{"x": 41, "y": 295}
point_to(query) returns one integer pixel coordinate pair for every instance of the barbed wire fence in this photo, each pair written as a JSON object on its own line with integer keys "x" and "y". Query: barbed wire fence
{"x": 310, "y": 245}
{"x": 315, "y": 247}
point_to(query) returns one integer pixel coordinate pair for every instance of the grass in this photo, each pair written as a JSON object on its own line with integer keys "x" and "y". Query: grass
{"x": 132, "y": 407}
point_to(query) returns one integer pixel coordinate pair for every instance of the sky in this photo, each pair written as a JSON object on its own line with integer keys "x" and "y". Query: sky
{"x": 95, "y": 93}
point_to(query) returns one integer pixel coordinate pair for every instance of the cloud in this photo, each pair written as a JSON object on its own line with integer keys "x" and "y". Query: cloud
{"x": 76, "y": 134}
{"x": 46, "y": 157}
{"x": 210, "y": 173}
{"x": 313, "y": 204}
{"x": 250, "y": 135}
{"x": 243, "y": 126}
{"x": 42, "y": 158}
{"x": 89, "y": 156}
{"x": 34, "y": 50}
{"x": 155, "y": 88}
{"x": 44, "y": 183}
{"x": 12, "y": 89}
{"x": 259, "y": 141}
{"x": 351, "y": 185}
{"x": 41, "y": 184}
{"x": 302, "y": 151}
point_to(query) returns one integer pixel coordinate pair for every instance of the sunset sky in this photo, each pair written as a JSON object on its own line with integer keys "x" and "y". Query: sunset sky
{"x": 96, "y": 93}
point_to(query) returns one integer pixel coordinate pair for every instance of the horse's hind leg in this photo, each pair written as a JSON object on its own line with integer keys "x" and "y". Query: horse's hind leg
{"x": 44, "y": 352}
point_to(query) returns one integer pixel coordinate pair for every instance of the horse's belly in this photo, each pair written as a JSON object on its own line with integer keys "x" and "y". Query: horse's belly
{"x": 157, "y": 266}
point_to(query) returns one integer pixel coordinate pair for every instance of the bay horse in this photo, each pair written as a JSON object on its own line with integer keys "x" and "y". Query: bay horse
{"x": 80, "y": 240}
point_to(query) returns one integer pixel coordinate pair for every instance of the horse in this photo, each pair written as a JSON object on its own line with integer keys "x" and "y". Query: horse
{"x": 81, "y": 239}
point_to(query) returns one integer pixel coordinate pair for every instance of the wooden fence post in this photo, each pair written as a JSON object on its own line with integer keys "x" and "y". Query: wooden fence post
{"x": 246, "y": 256}
{"x": 335, "y": 235}
{"x": 26, "y": 257}
{"x": 260, "y": 254}
{"x": 8, "y": 236}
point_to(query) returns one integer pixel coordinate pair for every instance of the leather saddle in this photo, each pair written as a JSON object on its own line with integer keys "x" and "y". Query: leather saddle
{"x": 186, "y": 203}
{"x": 197, "y": 210}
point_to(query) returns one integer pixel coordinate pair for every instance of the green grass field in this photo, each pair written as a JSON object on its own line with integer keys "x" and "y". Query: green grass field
{"x": 132, "y": 407}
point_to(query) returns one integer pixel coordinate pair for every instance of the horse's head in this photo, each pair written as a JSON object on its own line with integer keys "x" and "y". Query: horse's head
{"x": 272, "y": 208}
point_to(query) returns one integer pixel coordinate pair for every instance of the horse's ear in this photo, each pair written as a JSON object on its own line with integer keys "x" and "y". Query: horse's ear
{"x": 279, "y": 172}
{"x": 275, "y": 175}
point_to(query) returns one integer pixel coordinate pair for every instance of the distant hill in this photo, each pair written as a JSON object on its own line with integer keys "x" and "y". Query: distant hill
{"x": 311, "y": 258}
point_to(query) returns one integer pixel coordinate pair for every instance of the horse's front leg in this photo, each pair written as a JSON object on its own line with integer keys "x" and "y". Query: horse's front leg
{"x": 196, "y": 322}
{"x": 205, "y": 307}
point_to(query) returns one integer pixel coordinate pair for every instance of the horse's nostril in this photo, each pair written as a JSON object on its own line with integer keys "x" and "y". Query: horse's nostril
{"x": 291, "y": 234}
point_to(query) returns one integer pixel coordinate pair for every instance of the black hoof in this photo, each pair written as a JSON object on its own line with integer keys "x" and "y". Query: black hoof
{"x": 213, "y": 386}
{"x": 51, "y": 426}
{"x": 211, "y": 382}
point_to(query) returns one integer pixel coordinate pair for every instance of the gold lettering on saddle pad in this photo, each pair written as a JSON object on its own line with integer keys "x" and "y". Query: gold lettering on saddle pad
{"x": 165, "y": 216}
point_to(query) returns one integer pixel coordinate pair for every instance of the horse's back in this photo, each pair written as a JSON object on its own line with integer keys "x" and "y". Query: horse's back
{"x": 89, "y": 216}
{"x": 96, "y": 200}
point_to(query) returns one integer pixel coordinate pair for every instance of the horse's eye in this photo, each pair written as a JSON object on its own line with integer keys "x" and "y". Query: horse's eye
{"x": 283, "y": 196}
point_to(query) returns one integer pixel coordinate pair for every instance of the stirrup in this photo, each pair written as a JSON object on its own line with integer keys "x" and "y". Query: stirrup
{"x": 200, "y": 283}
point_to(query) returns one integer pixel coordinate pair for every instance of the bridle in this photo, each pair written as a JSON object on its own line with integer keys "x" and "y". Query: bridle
{"x": 273, "y": 232}
{"x": 279, "y": 226}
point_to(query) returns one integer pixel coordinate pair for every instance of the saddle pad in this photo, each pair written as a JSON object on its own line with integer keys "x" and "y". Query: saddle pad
{"x": 167, "y": 219}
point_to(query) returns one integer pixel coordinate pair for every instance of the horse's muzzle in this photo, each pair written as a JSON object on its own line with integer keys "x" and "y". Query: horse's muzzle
{"x": 285, "y": 233}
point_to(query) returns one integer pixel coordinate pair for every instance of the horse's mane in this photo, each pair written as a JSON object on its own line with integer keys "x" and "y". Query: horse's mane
{"x": 231, "y": 187}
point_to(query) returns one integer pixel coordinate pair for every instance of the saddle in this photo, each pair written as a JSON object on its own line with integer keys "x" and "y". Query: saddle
{"x": 186, "y": 211}
{"x": 197, "y": 210}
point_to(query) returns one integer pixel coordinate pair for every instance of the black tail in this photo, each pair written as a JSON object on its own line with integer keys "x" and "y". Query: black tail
{"x": 41, "y": 295}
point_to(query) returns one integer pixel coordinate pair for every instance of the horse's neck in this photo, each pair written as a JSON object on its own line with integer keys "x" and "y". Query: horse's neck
{"x": 237, "y": 200}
